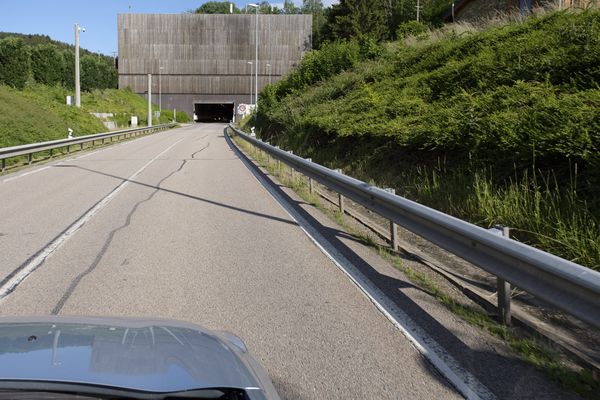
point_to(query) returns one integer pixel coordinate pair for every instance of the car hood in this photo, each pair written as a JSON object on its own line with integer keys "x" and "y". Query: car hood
{"x": 136, "y": 354}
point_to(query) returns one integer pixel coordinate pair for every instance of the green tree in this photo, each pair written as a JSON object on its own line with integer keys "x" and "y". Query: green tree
{"x": 289, "y": 8}
{"x": 68, "y": 76}
{"x": 97, "y": 73}
{"x": 266, "y": 8}
{"x": 400, "y": 11}
{"x": 356, "y": 18}
{"x": 14, "y": 62}
{"x": 217, "y": 7}
{"x": 47, "y": 64}
{"x": 317, "y": 10}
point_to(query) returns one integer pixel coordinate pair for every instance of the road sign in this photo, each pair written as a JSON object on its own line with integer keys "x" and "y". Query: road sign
{"x": 242, "y": 108}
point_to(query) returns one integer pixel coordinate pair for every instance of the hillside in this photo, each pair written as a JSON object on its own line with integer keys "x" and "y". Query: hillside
{"x": 494, "y": 126}
{"x": 39, "y": 113}
{"x": 36, "y": 40}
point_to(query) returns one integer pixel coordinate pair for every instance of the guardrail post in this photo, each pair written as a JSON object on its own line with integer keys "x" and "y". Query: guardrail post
{"x": 51, "y": 152}
{"x": 504, "y": 291}
{"x": 268, "y": 156}
{"x": 29, "y": 158}
{"x": 393, "y": 226}
{"x": 278, "y": 161}
{"x": 340, "y": 196}
{"x": 292, "y": 171}
{"x": 3, "y": 165}
{"x": 68, "y": 149}
{"x": 310, "y": 180}
{"x": 80, "y": 146}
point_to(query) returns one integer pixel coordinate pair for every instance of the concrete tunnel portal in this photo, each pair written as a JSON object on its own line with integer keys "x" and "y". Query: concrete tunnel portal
{"x": 214, "y": 112}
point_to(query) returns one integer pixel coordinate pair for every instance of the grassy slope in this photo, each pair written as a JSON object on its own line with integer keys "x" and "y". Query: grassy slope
{"x": 501, "y": 126}
{"x": 39, "y": 113}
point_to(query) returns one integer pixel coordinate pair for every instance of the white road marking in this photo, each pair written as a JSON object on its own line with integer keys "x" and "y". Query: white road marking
{"x": 32, "y": 265}
{"x": 467, "y": 384}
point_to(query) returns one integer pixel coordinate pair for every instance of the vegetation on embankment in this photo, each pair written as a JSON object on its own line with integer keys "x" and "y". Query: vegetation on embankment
{"x": 497, "y": 126}
{"x": 37, "y": 58}
{"x": 39, "y": 113}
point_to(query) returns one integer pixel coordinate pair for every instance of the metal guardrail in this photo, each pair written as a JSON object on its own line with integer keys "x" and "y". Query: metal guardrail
{"x": 562, "y": 283}
{"x": 30, "y": 149}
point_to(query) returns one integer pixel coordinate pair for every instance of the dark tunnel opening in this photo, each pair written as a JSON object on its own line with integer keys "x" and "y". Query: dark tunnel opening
{"x": 213, "y": 112}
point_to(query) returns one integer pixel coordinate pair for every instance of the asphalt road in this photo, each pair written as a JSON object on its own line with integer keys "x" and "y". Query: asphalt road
{"x": 174, "y": 225}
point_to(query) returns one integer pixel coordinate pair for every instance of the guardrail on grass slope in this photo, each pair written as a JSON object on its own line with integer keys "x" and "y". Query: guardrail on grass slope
{"x": 571, "y": 287}
{"x": 30, "y": 149}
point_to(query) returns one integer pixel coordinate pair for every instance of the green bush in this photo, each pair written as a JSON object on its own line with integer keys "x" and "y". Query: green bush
{"x": 50, "y": 62}
{"x": 47, "y": 64}
{"x": 411, "y": 28}
{"x": 14, "y": 62}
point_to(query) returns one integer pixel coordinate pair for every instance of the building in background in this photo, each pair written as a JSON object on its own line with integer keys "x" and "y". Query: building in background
{"x": 201, "y": 62}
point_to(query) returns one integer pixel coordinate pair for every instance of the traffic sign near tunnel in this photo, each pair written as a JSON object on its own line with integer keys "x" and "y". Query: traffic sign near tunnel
{"x": 205, "y": 63}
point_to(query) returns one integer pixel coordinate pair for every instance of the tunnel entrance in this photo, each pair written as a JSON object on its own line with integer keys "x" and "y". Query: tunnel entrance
{"x": 214, "y": 112}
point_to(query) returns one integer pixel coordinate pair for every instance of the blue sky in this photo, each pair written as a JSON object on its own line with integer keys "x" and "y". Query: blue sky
{"x": 56, "y": 18}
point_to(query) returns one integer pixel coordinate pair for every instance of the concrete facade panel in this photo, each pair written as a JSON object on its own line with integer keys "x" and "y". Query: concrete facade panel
{"x": 201, "y": 56}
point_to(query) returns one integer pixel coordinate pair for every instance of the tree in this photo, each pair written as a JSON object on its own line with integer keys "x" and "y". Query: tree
{"x": 266, "y": 8}
{"x": 289, "y": 8}
{"x": 68, "y": 76}
{"x": 400, "y": 11}
{"x": 217, "y": 7}
{"x": 356, "y": 18}
{"x": 47, "y": 64}
{"x": 317, "y": 10}
{"x": 14, "y": 62}
{"x": 97, "y": 73}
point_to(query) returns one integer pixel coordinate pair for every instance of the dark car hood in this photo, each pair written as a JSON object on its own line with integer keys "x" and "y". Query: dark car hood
{"x": 145, "y": 355}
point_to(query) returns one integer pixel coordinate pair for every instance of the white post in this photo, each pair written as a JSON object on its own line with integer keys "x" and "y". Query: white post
{"x": 418, "y": 10}
{"x": 250, "y": 62}
{"x": 149, "y": 100}
{"x": 174, "y": 115}
{"x": 77, "y": 83}
{"x": 256, "y": 69}
{"x": 159, "y": 87}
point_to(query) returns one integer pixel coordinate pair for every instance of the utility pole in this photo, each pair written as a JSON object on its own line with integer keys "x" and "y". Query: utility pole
{"x": 418, "y": 10}
{"x": 149, "y": 100}
{"x": 250, "y": 62}
{"x": 159, "y": 88}
{"x": 77, "y": 80}
{"x": 256, "y": 66}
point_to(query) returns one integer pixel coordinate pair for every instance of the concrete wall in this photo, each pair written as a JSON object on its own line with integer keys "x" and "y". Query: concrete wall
{"x": 205, "y": 57}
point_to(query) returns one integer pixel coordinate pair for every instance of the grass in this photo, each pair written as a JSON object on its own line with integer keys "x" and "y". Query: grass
{"x": 124, "y": 103}
{"x": 494, "y": 126}
{"x": 39, "y": 113}
{"x": 529, "y": 348}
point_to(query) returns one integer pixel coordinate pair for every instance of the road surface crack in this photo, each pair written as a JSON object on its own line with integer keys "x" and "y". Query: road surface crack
{"x": 61, "y": 303}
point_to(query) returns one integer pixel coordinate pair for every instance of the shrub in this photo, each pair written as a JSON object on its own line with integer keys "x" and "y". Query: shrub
{"x": 14, "y": 62}
{"x": 411, "y": 28}
{"x": 47, "y": 64}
